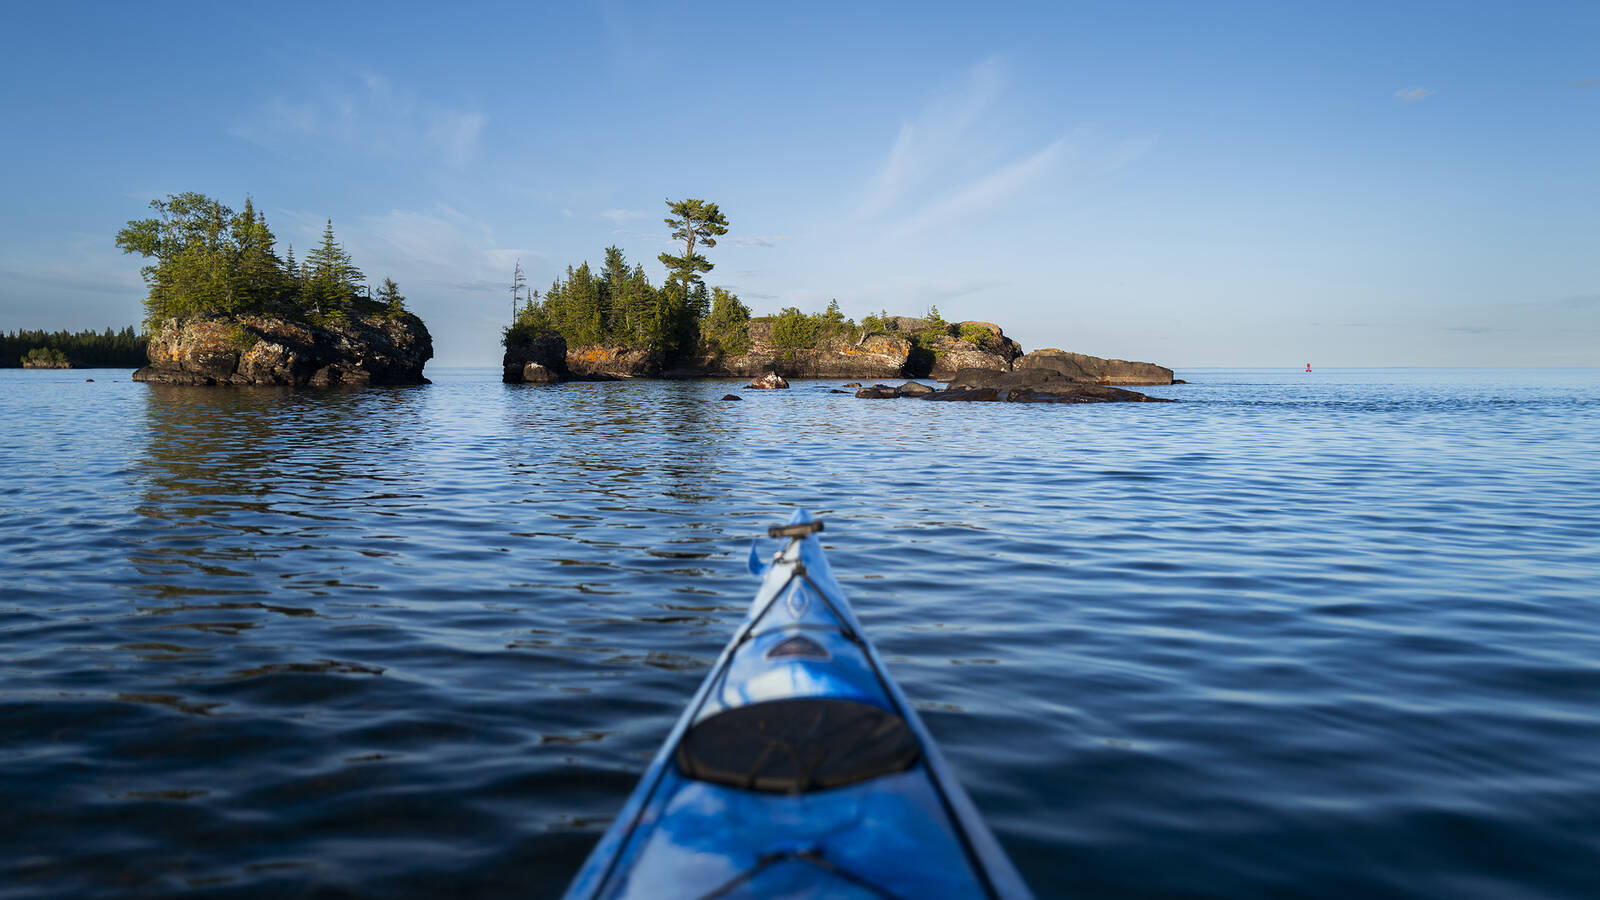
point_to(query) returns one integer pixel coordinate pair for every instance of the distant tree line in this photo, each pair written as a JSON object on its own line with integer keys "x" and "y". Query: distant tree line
{"x": 208, "y": 260}
{"x": 90, "y": 349}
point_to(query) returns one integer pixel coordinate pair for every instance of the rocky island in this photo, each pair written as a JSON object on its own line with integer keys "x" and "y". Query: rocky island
{"x": 358, "y": 350}
{"x": 223, "y": 308}
{"x": 612, "y": 323}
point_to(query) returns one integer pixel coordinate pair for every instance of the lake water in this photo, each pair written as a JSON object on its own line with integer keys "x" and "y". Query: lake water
{"x": 1322, "y": 635}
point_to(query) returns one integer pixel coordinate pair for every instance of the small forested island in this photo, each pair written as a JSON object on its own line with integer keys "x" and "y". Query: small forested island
{"x": 69, "y": 350}
{"x": 613, "y": 323}
{"x": 224, "y": 308}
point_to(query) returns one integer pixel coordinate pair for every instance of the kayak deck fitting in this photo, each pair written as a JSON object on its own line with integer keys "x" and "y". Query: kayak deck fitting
{"x": 798, "y": 769}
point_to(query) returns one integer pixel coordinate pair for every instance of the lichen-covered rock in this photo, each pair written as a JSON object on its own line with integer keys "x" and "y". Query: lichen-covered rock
{"x": 1093, "y": 369}
{"x": 870, "y": 356}
{"x": 534, "y": 359}
{"x": 993, "y": 350}
{"x": 607, "y": 362}
{"x": 771, "y": 381}
{"x": 263, "y": 350}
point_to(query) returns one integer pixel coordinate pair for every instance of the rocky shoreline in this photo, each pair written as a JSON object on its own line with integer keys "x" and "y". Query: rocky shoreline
{"x": 970, "y": 350}
{"x": 259, "y": 350}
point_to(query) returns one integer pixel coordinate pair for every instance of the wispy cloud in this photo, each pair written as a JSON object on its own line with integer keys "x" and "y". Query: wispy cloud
{"x": 756, "y": 240}
{"x": 1580, "y": 301}
{"x": 960, "y": 156}
{"x": 619, "y": 216}
{"x": 365, "y": 113}
{"x": 1587, "y": 83}
{"x": 930, "y": 143}
{"x": 986, "y": 192}
{"x": 1413, "y": 94}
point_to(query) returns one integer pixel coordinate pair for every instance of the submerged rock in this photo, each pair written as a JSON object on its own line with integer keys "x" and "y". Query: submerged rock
{"x": 732, "y": 397}
{"x": 363, "y": 349}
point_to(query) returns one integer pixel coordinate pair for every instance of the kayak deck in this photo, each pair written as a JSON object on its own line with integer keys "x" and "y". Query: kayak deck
{"x": 798, "y": 769}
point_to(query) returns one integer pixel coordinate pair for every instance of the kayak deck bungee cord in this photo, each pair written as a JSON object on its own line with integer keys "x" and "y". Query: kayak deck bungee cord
{"x": 798, "y": 769}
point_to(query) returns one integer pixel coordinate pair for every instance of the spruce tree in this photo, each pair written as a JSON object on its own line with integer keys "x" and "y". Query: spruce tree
{"x": 334, "y": 282}
{"x": 389, "y": 296}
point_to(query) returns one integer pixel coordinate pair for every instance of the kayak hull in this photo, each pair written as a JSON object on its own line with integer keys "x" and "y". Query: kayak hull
{"x": 798, "y": 769}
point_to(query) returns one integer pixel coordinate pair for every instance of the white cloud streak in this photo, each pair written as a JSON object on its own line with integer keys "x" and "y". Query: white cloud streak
{"x": 960, "y": 157}
{"x": 1413, "y": 94}
{"x": 755, "y": 240}
{"x": 932, "y": 142}
{"x": 986, "y": 192}
{"x": 366, "y": 114}
{"x": 620, "y": 216}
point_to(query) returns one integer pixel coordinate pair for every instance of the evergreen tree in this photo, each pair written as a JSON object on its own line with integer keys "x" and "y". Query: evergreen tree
{"x": 613, "y": 293}
{"x": 726, "y": 329}
{"x": 389, "y": 295}
{"x": 644, "y": 310}
{"x": 334, "y": 282}
{"x": 585, "y": 314}
{"x": 518, "y": 282}
{"x": 258, "y": 282}
{"x": 695, "y": 222}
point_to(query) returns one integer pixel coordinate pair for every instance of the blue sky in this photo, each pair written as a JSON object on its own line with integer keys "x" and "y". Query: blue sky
{"x": 1194, "y": 184}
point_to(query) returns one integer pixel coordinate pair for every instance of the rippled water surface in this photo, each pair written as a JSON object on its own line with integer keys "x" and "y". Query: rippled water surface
{"x": 1331, "y": 635}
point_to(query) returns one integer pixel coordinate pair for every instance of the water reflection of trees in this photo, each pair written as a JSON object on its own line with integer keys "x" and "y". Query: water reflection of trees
{"x": 224, "y": 474}
{"x": 604, "y": 438}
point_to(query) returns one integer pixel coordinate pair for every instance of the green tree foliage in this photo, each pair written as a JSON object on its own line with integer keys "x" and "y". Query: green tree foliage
{"x": 976, "y": 335}
{"x": 726, "y": 330}
{"x": 92, "y": 349}
{"x": 44, "y": 356}
{"x": 696, "y": 223}
{"x": 333, "y": 283}
{"x": 206, "y": 260}
{"x": 794, "y": 330}
{"x": 389, "y": 295}
{"x": 617, "y": 305}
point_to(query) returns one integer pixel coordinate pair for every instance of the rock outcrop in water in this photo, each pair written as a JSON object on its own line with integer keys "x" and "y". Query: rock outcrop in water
{"x": 1092, "y": 369}
{"x": 771, "y": 381}
{"x": 530, "y": 359}
{"x": 1034, "y": 385}
{"x": 364, "y": 349}
{"x": 903, "y": 347}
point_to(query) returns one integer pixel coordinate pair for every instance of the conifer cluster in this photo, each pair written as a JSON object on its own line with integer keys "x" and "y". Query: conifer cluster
{"x": 210, "y": 261}
{"x": 619, "y": 305}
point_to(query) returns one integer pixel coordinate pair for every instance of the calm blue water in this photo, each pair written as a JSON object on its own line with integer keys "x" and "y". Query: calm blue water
{"x": 1297, "y": 636}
